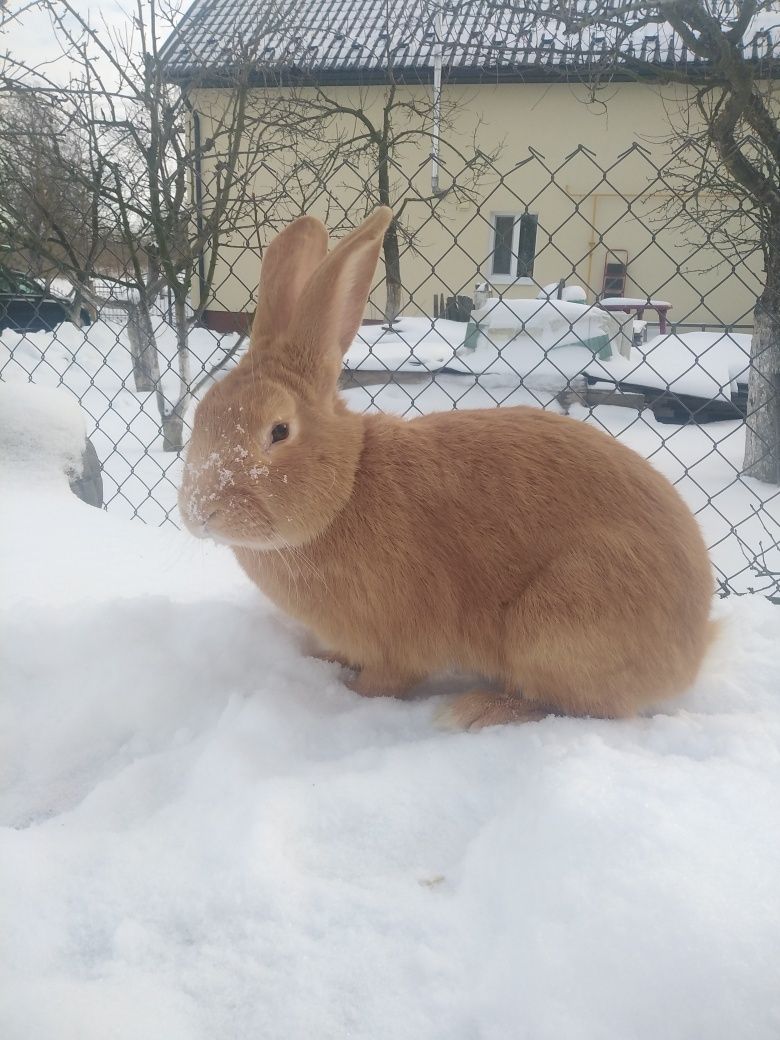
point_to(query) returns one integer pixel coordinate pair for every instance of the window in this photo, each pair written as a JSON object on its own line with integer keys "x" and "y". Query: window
{"x": 526, "y": 245}
{"x": 503, "y": 233}
{"x": 615, "y": 272}
{"x": 514, "y": 245}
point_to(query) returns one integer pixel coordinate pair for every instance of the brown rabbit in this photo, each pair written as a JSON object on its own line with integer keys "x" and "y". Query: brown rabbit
{"x": 511, "y": 543}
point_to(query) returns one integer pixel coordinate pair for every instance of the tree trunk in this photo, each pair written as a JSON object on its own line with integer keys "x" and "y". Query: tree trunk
{"x": 173, "y": 420}
{"x": 390, "y": 248}
{"x": 762, "y": 440}
{"x": 392, "y": 257}
{"x": 143, "y": 347}
{"x": 146, "y": 370}
{"x": 173, "y": 431}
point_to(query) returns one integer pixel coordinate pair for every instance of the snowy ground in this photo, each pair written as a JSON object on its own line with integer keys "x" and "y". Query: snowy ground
{"x": 205, "y": 834}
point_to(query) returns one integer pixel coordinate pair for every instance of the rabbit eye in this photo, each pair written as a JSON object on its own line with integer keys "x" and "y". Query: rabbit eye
{"x": 280, "y": 432}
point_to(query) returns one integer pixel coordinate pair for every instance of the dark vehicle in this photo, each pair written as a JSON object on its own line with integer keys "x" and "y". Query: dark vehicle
{"x": 26, "y": 306}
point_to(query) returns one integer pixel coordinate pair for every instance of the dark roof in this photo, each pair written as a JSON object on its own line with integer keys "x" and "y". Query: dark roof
{"x": 344, "y": 41}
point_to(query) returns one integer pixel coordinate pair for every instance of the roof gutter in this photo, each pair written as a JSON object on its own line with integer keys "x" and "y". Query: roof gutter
{"x": 216, "y": 77}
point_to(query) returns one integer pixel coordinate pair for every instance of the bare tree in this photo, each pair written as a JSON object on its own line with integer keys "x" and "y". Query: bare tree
{"x": 386, "y": 149}
{"x": 391, "y": 143}
{"x": 145, "y": 173}
{"x": 36, "y": 163}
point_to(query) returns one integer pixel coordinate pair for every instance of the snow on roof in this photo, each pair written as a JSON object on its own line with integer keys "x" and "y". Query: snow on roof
{"x": 342, "y": 40}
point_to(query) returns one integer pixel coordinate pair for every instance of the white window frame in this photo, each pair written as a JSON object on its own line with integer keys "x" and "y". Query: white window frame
{"x": 505, "y": 279}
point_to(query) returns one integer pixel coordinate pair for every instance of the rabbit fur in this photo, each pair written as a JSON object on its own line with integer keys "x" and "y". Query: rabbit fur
{"x": 511, "y": 543}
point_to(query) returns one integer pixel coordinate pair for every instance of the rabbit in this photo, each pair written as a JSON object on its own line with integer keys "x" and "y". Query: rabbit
{"x": 511, "y": 543}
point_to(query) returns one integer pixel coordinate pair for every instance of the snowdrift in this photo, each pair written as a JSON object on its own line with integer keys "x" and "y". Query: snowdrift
{"x": 205, "y": 834}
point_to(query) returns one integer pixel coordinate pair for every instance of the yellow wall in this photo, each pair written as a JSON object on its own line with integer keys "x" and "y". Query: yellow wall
{"x": 572, "y": 163}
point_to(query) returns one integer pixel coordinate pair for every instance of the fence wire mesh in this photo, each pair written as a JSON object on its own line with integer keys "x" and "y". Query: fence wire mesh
{"x": 579, "y": 284}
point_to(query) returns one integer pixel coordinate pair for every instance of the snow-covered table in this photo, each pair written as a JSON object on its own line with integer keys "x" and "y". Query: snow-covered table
{"x": 638, "y": 306}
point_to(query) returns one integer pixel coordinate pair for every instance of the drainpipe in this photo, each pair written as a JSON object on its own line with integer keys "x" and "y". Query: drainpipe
{"x": 437, "y": 56}
{"x": 198, "y": 172}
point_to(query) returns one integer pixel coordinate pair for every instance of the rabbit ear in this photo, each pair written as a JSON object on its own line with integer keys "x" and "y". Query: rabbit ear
{"x": 289, "y": 261}
{"x": 331, "y": 306}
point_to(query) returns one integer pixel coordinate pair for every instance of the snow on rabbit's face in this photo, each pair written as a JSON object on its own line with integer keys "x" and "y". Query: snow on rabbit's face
{"x": 267, "y": 467}
{"x": 237, "y": 486}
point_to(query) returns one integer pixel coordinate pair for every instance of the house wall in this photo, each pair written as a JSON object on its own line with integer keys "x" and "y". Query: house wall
{"x": 597, "y": 175}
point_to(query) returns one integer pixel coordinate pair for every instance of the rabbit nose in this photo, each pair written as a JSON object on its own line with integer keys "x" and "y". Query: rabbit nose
{"x": 196, "y": 518}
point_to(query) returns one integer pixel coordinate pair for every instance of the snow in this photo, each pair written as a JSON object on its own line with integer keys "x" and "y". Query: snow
{"x": 410, "y": 345}
{"x": 534, "y": 341}
{"x": 573, "y": 293}
{"x": 539, "y": 341}
{"x": 42, "y": 432}
{"x": 204, "y": 833}
{"x": 522, "y": 358}
{"x": 632, "y": 301}
{"x": 61, "y": 287}
{"x": 709, "y": 365}
{"x": 552, "y": 323}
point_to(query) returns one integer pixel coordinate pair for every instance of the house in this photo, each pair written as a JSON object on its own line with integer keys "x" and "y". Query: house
{"x": 505, "y": 168}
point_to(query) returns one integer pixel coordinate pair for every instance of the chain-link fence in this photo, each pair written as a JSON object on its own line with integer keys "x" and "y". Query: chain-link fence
{"x": 584, "y": 284}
